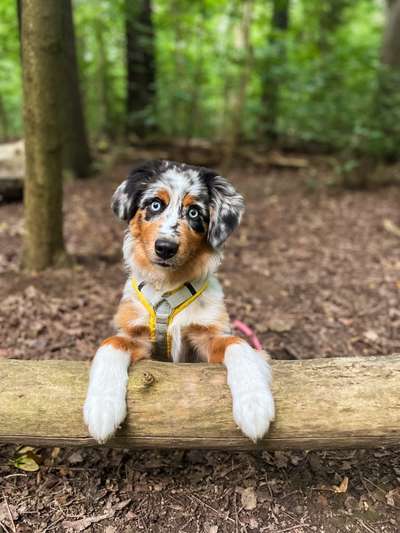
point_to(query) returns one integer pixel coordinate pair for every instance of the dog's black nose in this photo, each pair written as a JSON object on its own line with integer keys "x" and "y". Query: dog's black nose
{"x": 166, "y": 249}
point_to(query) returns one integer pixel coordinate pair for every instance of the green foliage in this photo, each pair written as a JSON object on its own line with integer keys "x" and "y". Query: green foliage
{"x": 327, "y": 93}
{"x": 100, "y": 42}
{"x": 10, "y": 78}
{"x": 332, "y": 90}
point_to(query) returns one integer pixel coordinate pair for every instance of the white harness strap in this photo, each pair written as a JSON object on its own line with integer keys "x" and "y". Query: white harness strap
{"x": 164, "y": 307}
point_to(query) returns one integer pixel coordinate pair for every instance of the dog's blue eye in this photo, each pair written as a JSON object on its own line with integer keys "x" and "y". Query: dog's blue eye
{"x": 193, "y": 213}
{"x": 155, "y": 206}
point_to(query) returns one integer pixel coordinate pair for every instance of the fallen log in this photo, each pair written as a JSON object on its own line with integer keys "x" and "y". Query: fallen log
{"x": 321, "y": 403}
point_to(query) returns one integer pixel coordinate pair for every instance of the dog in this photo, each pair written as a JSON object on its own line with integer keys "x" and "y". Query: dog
{"x": 179, "y": 217}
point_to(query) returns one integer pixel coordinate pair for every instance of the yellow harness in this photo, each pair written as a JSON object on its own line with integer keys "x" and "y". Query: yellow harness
{"x": 163, "y": 309}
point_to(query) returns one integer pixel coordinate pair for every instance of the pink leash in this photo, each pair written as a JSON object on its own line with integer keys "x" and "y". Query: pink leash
{"x": 243, "y": 328}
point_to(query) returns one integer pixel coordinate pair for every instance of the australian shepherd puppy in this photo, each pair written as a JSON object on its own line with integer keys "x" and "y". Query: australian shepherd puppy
{"x": 172, "y": 307}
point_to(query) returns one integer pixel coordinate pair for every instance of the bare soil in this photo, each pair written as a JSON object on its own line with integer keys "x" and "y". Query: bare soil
{"x": 315, "y": 270}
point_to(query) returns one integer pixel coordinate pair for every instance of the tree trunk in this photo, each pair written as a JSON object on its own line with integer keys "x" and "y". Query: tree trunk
{"x": 391, "y": 38}
{"x": 140, "y": 62}
{"x": 42, "y": 75}
{"x": 387, "y": 102}
{"x": 270, "y": 75}
{"x": 76, "y": 153}
{"x": 240, "y": 96}
{"x": 176, "y": 106}
{"x": 103, "y": 78}
{"x": 19, "y": 16}
{"x": 320, "y": 403}
{"x": 192, "y": 114}
{"x": 226, "y": 42}
{"x": 4, "y": 125}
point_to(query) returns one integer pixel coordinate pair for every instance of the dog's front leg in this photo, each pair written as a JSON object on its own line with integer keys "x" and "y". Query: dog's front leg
{"x": 248, "y": 375}
{"x": 105, "y": 405}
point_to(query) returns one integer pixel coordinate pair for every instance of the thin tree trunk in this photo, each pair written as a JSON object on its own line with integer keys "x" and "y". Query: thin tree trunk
{"x": 140, "y": 85}
{"x": 390, "y": 55}
{"x": 387, "y": 101}
{"x": 240, "y": 97}
{"x": 76, "y": 153}
{"x": 19, "y": 15}
{"x": 107, "y": 125}
{"x": 192, "y": 109}
{"x": 225, "y": 73}
{"x": 42, "y": 76}
{"x": 269, "y": 76}
{"x": 177, "y": 106}
{"x": 4, "y": 125}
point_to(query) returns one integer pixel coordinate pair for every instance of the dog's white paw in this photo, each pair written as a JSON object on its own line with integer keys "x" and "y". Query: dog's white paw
{"x": 103, "y": 415}
{"x": 105, "y": 405}
{"x": 249, "y": 378}
{"x": 253, "y": 413}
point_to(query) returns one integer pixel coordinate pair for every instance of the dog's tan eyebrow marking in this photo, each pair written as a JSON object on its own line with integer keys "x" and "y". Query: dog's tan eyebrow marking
{"x": 189, "y": 200}
{"x": 163, "y": 195}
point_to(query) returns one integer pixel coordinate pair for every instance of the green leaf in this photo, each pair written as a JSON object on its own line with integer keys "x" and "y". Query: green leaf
{"x": 26, "y": 463}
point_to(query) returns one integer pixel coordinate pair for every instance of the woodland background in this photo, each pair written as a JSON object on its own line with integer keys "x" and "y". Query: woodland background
{"x": 301, "y": 72}
{"x": 298, "y": 103}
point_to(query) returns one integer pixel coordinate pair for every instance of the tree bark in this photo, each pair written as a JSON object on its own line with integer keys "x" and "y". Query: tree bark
{"x": 140, "y": 87}
{"x": 42, "y": 75}
{"x": 4, "y": 125}
{"x": 387, "y": 102}
{"x": 320, "y": 403}
{"x": 104, "y": 80}
{"x": 19, "y": 16}
{"x": 76, "y": 153}
{"x": 270, "y": 77}
{"x": 239, "y": 101}
{"x": 390, "y": 54}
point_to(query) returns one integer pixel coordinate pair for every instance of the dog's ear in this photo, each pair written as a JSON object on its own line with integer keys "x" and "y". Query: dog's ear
{"x": 125, "y": 200}
{"x": 226, "y": 207}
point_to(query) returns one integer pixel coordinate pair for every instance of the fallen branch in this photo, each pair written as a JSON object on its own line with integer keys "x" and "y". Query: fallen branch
{"x": 321, "y": 403}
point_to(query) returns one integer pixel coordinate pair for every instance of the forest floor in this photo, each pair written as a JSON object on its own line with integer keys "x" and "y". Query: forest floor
{"x": 314, "y": 269}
